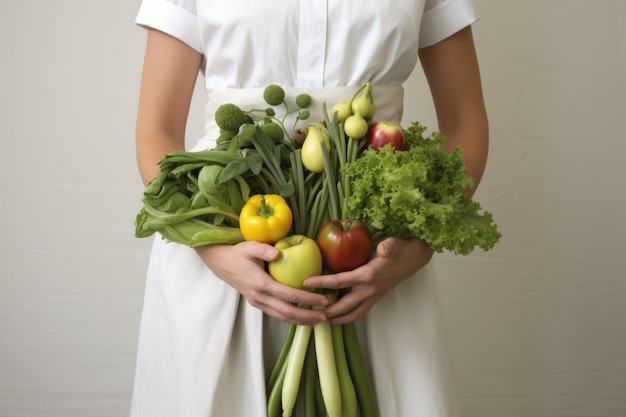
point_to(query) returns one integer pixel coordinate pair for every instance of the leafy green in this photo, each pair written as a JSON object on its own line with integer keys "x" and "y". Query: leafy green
{"x": 418, "y": 192}
{"x": 185, "y": 203}
{"x": 196, "y": 197}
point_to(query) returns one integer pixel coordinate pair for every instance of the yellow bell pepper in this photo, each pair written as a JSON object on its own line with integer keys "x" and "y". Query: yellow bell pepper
{"x": 265, "y": 218}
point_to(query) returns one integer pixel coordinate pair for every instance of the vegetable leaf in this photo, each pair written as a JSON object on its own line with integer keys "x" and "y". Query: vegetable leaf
{"x": 418, "y": 192}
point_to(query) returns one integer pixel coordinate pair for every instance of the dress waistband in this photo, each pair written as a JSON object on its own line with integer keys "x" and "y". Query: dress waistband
{"x": 389, "y": 100}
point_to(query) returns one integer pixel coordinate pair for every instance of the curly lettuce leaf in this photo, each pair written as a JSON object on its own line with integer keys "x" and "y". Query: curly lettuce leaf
{"x": 418, "y": 192}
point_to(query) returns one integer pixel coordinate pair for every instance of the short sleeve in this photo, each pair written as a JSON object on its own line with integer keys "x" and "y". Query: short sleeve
{"x": 443, "y": 18}
{"x": 177, "y": 18}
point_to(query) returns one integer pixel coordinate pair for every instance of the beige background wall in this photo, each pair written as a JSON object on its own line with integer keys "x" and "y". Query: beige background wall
{"x": 536, "y": 325}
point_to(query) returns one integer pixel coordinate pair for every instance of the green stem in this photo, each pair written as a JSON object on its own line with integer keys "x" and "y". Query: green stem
{"x": 295, "y": 365}
{"x": 297, "y": 171}
{"x": 313, "y": 192}
{"x": 269, "y": 161}
{"x": 325, "y": 216}
{"x": 358, "y": 370}
{"x": 333, "y": 208}
{"x": 356, "y": 93}
{"x": 342, "y": 198}
{"x": 274, "y": 186}
{"x": 282, "y": 356}
{"x": 317, "y": 212}
{"x": 310, "y": 381}
{"x": 319, "y": 400}
{"x": 264, "y": 210}
{"x": 173, "y": 218}
{"x": 348, "y": 394}
{"x": 335, "y": 131}
{"x": 274, "y": 400}
{"x": 347, "y": 186}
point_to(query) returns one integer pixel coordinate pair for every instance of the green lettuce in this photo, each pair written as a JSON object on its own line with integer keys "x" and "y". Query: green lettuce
{"x": 418, "y": 192}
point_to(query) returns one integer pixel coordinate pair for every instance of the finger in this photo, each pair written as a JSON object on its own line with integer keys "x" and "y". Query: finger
{"x": 343, "y": 305}
{"x": 294, "y": 314}
{"x": 349, "y": 317}
{"x": 298, "y": 296}
{"x": 333, "y": 281}
{"x": 352, "y": 315}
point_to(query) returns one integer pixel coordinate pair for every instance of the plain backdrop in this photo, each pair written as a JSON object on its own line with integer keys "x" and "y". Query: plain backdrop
{"x": 535, "y": 326}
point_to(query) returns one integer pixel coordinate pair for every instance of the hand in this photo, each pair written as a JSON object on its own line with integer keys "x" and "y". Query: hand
{"x": 242, "y": 267}
{"x": 395, "y": 260}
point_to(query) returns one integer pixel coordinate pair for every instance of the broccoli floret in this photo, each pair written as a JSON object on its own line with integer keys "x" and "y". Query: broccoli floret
{"x": 274, "y": 95}
{"x": 229, "y": 117}
{"x": 303, "y": 100}
{"x": 274, "y": 131}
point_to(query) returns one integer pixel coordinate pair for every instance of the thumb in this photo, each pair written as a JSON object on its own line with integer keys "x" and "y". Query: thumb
{"x": 262, "y": 251}
{"x": 388, "y": 248}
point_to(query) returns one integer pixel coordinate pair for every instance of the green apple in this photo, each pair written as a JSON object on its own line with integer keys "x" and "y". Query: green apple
{"x": 300, "y": 259}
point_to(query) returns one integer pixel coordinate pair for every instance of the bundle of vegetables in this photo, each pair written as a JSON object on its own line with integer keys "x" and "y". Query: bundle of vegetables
{"x": 196, "y": 198}
{"x": 322, "y": 194}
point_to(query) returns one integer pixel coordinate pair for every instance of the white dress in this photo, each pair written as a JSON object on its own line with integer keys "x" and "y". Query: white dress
{"x": 203, "y": 350}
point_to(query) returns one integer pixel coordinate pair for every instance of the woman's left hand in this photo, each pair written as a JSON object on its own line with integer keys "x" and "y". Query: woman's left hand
{"x": 395, "y": 260}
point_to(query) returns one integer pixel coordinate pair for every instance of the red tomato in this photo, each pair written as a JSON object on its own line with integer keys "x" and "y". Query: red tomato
{"x": 345, "y": 244}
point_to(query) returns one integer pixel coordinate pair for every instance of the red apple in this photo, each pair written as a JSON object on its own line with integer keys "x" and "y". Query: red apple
{"x": 345, "y": 244}
{"x": 383, "y": 132}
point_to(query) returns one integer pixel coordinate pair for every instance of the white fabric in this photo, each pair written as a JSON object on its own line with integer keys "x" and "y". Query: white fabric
{"x": 307, "y": 43}
{"x": 203, "y": 350}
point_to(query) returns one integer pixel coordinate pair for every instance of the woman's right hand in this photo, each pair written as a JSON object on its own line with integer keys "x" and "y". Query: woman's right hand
{"x": 243, "y": 267}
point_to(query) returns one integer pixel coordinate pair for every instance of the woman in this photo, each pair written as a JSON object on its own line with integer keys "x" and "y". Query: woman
{"x": 205, "y": 342}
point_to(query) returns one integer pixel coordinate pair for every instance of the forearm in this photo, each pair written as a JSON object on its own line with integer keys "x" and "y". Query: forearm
{"x": 151, "y": 146}
{"x": 473, "y": 140}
